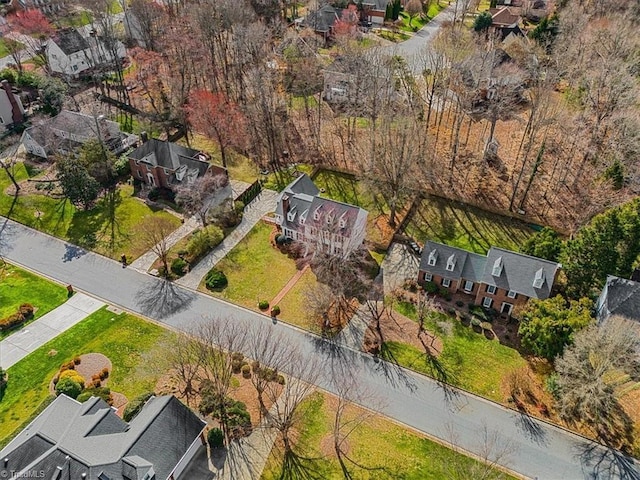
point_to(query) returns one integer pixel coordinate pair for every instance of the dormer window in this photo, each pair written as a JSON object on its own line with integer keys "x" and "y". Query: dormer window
{"x": 301, "y": 220}
{"x": 497, "y": 267}
{"x": 330, "y": 217}
{"x": 451, "y": 262}
{"x": 291, "y": 214}
{"x": 343, "y": 222}
{"x": 316, "y": 214}
{"x": 538, "y": 280}
{"x": 433, "y": 256}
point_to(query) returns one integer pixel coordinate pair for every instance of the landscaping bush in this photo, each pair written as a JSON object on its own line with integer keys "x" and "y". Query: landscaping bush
{"x": 154, "y": 194}
{"x": 3, "y": 382}
{"x": 11, "y": 321}
{"x": 68, "y": 387}
{"x": 68, "y": 366}
{"x": 135, "y": 405}
{"x": 281, "y": 379}
{"x": 202, "y": 241}
{"x": 104, "y": 373}
{"x": 215, "y": 279}
{"x": 121, "y": 166}
{"x": 263, "y": 304}
{"x": 430, "y": 287}
{"x": 102, "y": 392}
{"x": 73, "y": 375}
{"x": 246, "y": 371}
{"x": 77, "y": 360}
{"x": 459, "y": 303}
{"x": 215, "y": 438}
{"x": 237, "y": 361}
{"x": 26, "y": 310}
{"x": 444, "y": 293}
{"x": 179, "y": 267}
{"x": 275, "y": 311}
{"x": 476, "y": 322}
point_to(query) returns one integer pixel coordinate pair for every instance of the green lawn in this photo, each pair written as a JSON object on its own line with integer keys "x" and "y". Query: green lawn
{"x": 123, "y": 338}
{"x": 4, "y": 51}
{"x": 470, "y": 360}
{"x": 75, "y": 19}
{"x": 417, "y": 23}
{"x": 18, "y": 286}
{"x": 255, "y": 270}
{"x": 386, "y": 450}
{"x": 109, "y": 228}
{"x": 293, "y": 305}
{"x": 465, "y": 226}
{"x": 392, "y": 36}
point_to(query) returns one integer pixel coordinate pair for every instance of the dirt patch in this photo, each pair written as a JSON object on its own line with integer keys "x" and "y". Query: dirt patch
{"x": 44, "y": 185}
{"x": 90, "y": 364}
{"x": 398, "y": 328}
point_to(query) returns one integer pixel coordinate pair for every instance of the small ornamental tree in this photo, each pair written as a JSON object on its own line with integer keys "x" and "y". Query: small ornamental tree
{"x": 482, "y": 22}
{"x": 68, "y": 387}
{"x": 77, "y": 183}
{"x": 413, "y": 8}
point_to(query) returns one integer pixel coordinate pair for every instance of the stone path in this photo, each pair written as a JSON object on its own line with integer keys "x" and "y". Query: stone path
{"x": 17, "y": 346}
{"x": 264, "y": 203}
{"x": 292, "y": 281}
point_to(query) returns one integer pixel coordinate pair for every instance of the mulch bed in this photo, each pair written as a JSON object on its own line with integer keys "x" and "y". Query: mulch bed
{"x": 90, "y": 364}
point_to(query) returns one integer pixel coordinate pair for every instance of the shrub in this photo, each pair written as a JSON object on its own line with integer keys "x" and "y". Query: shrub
{"x": 275, "y": 311}
{"x": 68, "y": 387}
{"x": 246, "y": 371}
{"x": 26, "y": 310}
{"x": 154, "y": 194}
{"x": 476, "y": 322}
{"x": 202, "y": 241}
{"x": 552, "y": 386}
{"x": 179, "y": 267}
{"x": 215, "y": 438}
{"x": 121, "y": 166}
{"x": 95, "y": 377}
{"x": 11, "y": 321}
{"x": 102, "y": 392}
{"x": 77, "y": 360}
{"x": 73, "y": 375}
{"x": 162, "y": 272}
{"x": 255, "y": 366}
{"x": 430, "y": 287}
{"x": 263, "y": 304}
{"x": 135, "y": 405}
{"x": 215, "y": 279}
{"x": 104, "y": 373}
{"x": 96, "y": 383}
{"x": 237, "y": 356}
{"x": 3, "y": 381}
{"x": 280, "y": 379}
{"x": 459, "y": 303}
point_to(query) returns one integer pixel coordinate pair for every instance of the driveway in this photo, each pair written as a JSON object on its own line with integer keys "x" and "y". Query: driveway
{"x": 540, "y": 450}
{"x": 400, "y": 264}
{"x": 20, "y": 344}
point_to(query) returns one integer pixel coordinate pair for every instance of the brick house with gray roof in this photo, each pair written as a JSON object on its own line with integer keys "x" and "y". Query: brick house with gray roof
{"x": 501, "y": 279}
{"x": 303, "y": 215}
{"x": 89, "y": 441}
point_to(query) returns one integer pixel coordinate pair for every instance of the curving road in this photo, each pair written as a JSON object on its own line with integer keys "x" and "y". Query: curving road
{"x": 538, "y": 450}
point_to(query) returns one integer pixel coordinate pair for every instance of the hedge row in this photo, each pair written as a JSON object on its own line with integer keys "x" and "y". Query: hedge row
{"x": 24, "y": 313}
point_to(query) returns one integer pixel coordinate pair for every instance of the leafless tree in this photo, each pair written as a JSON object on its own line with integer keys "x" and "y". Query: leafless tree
{"x": 153, "y": 236}
{"x": 590, "y": 374}
{"x": 195, "y": 198}
{"x": 148, "y": 18}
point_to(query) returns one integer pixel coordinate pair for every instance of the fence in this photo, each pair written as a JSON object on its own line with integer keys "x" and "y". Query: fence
{"x": 251, "y": 192}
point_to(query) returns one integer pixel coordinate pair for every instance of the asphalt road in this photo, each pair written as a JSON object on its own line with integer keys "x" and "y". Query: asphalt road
{"x": 538, "y": 450}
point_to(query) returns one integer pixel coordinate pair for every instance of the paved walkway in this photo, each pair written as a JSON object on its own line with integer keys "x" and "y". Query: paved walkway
{"x": 17, "y": 346}
{"x": 264, "y": 203}
{"x": 292, "y": 281}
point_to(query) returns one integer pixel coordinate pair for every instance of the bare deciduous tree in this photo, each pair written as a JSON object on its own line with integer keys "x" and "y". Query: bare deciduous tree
{"x": 195, "y": 198}
{"x": 153, "y": 236}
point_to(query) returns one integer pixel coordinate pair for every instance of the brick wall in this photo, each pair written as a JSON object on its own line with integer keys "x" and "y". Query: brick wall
{"x": 499, "y": 297}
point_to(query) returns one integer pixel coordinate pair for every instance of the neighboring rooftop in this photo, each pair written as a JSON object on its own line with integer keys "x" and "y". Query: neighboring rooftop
{"x": 70, "y": 41}
{"x": 186, "y": 164}
{"x": 619, "y": 297}
{"x": 323, "y": 19}
{"x": 69, "y": 439}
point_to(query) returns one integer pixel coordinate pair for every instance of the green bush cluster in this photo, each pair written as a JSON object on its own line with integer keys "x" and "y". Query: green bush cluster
{"x": 69, "y": 387}
{"x": 102, "y": 392}
{"x": 215, "y": 438}
{"x": 275, "y": 310}
{"x": 179, "y": 267}
{"x": 135, "y": 405}
{"x": 24, "y": 313}
{"x": 203, "y": 241}
{"x": 215, "y": 279}
{"x": 3, "y": 382}
{"x": 430, "y": 287}
{"x": 263, "y": 304}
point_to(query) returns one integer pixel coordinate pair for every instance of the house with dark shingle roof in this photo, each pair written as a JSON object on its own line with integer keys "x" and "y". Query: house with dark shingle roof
{"x": 159, "y": 163}
{"x": 322, "y": 20}
{"x": 89, "y": 441}
{"x": 68, "y": 131}
{"x": 501, "y": 279}
{"x": 619, "y": 296}
{"x": 333, "y": 227}
{"x": 71, "y": 52}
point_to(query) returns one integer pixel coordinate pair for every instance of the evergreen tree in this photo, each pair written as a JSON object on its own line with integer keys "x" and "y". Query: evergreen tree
{"x": 76, "y": 182}
{"x": 544, "y": 244}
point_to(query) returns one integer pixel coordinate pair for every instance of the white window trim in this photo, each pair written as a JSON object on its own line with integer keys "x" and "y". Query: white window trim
{"x": 466, "y": 282}
{"x": 428, "y": 276}
{"x": 450, "y": 267}
{"x": 486, "y": 302}
{"x": 491, "y": 289}
{"x": 511, "y": 294}
{"x": 446, "y": 282}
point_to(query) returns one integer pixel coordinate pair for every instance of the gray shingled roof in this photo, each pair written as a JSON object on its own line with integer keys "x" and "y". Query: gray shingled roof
{"x": 70, "y": 41}
{"x": 442, "y": 254}
{"x": 619, "y": 297}
{"x": 77, "y": 438}
{"x": 187, "y": 163}
{"x": 518, "y": 273}
{"x": 323, "y": 19}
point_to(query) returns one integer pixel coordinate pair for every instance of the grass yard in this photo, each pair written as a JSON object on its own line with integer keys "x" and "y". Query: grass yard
{"x": 75, "y": 19}
{"x": 465, "y": 226}
{"x": 395, "y": 37}
{"x": 293, "y": 305}
{"x": 470, "y": 360}
{"x": 17, "y": 286}
{"x": 123, "y": 338}
{"x": 255, "y": 270}
{"x": 109, "y": 228}
{"x": 386, "y": 450}
{"x": 417, "y": 22}
{"x": 4, "y": 51}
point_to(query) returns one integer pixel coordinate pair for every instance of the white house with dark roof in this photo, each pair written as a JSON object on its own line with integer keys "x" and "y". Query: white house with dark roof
{"x": 501, "y": 279}
{"x": 88, "y": 441}
{"x": 67, "y": 131}
{"x": 330, "y": 226}
{"x": 72, "y": 51}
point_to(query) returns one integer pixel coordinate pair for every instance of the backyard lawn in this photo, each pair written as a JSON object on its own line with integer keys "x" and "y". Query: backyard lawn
{"x": 470, "y": 360}
{"x": 18, "y": 286}
{"x": 465, "y": 226}
{"x": 109, "y": 228}
{"x": 123, "y": 338}
{"x": 384, "y": 449}
{"x": 255, "y": 270}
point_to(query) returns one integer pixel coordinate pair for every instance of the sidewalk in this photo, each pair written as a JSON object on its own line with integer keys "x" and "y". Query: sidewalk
{"x": 17, "y": 346}
{"x": 264, "y": 203}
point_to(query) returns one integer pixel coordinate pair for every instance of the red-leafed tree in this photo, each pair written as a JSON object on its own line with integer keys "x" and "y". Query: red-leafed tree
{"x": 347, "y": 25}
{"x": 35, "y": 29}
{"x": 213, "y": 115}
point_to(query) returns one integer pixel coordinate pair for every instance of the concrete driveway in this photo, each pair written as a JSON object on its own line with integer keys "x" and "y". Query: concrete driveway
{"x": 20, "y": 344}
{"x": 400, "y": 264}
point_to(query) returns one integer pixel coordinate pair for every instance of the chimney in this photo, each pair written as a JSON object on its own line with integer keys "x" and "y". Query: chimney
{"x": 285, "y": 204}
{"x": 144, "y": 137}
{"x": 16, "y": 112}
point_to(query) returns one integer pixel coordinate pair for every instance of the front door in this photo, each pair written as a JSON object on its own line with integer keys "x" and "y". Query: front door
{"x": 506, "y": 308}
{"x": 151, "y": 179}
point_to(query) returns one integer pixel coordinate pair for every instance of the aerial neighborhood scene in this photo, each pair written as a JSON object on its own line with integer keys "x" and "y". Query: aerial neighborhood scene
{"x": 319, "y": 239}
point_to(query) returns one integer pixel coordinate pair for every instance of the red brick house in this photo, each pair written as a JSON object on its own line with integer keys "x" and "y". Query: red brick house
{"x": 501, "y": 279}
{"x": 159, "y": 163}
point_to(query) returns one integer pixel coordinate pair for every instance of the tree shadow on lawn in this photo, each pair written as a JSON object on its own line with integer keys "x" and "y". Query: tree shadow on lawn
{"x": 160, "y": 298}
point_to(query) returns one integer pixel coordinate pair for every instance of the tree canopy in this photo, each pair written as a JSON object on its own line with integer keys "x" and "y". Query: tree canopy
{"x": 544, "y": 244}
{"x": 77, "y": 183}
{"x": 547, "y": 326}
